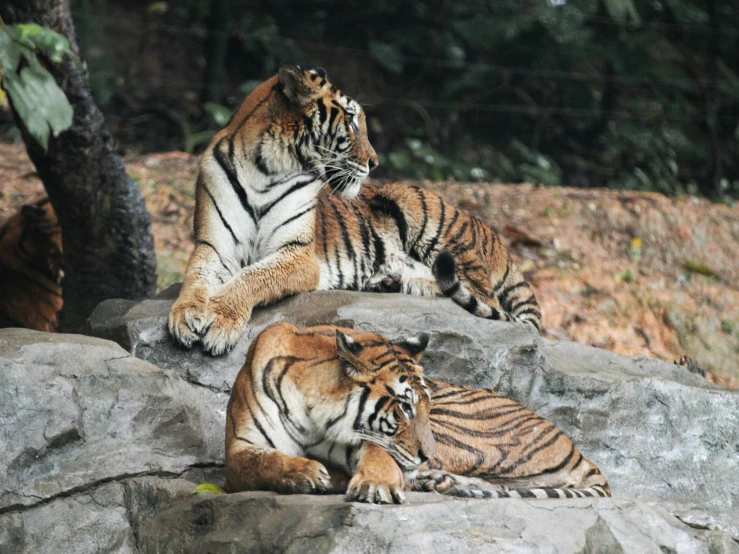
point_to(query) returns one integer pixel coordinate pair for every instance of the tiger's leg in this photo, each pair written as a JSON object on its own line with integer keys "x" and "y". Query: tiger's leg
{"x": 251, "y": 468}
{"x": 378, "y": 478}
{"x": 290, "y": 270}
{"x": 188, "y": 317}
{"x": 401, "y": 273}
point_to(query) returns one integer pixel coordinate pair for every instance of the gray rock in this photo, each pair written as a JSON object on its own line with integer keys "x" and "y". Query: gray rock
{"x": 78, "y": 410}
{"x": 100, "y": 450}
{"x": 264, "y": 522}
{"x": 656, "y": 430}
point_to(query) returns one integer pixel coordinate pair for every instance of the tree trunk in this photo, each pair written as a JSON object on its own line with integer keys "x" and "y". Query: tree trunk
{"x": 108, "y": 245}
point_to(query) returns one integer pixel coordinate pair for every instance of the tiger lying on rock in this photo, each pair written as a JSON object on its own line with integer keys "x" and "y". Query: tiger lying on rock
{"x": 313, "y": 405}
{"x": 266, "y": 226}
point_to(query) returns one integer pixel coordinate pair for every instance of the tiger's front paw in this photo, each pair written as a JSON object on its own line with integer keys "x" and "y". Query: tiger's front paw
{"x": 227, "y": 322}
{"x": 375, "y": 490}
{"x": 188, "y": 319}
{"x": 304, "y": 477}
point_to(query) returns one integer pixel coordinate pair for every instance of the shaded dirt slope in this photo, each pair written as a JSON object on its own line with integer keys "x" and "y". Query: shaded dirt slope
{"x": 635, "y": 273}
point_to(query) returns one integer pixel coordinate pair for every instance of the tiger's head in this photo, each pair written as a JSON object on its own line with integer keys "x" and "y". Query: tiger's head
{"x": 394, "y": 402}
{"x": 331, "y": 129}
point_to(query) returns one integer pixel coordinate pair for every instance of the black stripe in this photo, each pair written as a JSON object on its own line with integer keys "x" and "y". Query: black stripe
{"x": 206, "y": 243}
{"x": 220, "y": 214}
{"x": 525, "y": 493}
{"x": 459, "y": 234}
{"x": 295, "y": 187}
{"x": 435, "y": 240}
{"x": 379, "y": 250}
{"x": 452, "y": 222}
{"x": 292, "y": 243}
{"x": 362, "y": 402}
{"x": 551, "y": 493}
{"x": 256, "y": 421}
{"x": 388, "y": 206}
{"x": 563, "y": 463}
{"x": 425, "y": 211}
{"x": 378, "y": 408}
{"x": 332, "y": 118}
{"x": 338, "y": 266}
{"x": 233, "y": 179}
{"x": 296, "y": 216}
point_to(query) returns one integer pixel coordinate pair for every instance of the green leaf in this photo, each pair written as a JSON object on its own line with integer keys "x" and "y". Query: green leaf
{"x": 218, "y": 112}
{"x": 46, "y": 41}
{"x": 622, "y": 11}
{"x": 39, "y": 101}
{"x": 209, "y": 488}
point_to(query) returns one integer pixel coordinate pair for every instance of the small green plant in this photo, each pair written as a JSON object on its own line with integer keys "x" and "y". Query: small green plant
{"x": 33, "y": 92}
{"x": 701, "y": 269}
{"x": 728, "y": 326}
{"x": 626, "y": 276}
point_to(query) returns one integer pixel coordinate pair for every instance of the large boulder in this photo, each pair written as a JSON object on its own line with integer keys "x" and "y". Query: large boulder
{"x": 100, "y": 449}
{"x": 90, "y": 438}
{"x": 656, "y": 430}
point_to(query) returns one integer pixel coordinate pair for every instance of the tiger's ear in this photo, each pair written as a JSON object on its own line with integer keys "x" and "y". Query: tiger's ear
{"x": 293, "y": 83}
{"x": 349, "y": 351}
{"x": 414, "y": 346}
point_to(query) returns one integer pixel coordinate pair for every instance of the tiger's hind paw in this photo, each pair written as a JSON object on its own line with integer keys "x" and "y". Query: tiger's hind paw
{"x": 450, "y": 484}
{"x": 384, "y": 282}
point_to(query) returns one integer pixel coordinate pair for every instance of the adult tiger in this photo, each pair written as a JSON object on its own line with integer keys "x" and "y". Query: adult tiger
{"x": 31, "y": 268}
{"x": 265, "y": 227}
{"x": 325, "y": 398}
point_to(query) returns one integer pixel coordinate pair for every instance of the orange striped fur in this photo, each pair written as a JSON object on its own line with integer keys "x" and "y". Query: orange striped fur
{"x": 311, "y": 405}
{"x": 280, "y": 209}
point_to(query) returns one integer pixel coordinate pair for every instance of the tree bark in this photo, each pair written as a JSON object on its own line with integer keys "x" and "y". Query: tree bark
{"x": 108, "y": 244}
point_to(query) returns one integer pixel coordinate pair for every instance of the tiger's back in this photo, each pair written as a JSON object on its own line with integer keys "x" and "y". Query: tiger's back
{"x": 432, "y": 246}
{"x": 30, "y": 268}
{"x": 485, "y": 436}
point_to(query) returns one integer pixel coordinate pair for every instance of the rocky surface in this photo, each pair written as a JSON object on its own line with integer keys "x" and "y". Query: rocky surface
{"x": 260, "y": 522}
{"x": 100, "y": 450}
{"x": 656, "y": 430}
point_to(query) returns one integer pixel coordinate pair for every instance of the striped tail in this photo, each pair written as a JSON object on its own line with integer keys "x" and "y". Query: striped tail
{"x": 594, "y": 491}
{"x": 513, "y": 287}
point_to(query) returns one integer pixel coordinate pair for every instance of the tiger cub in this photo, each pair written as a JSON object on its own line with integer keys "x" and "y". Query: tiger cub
{"x": 266, "y": 226}
{"x": 312, "y": 407}
{"x": 31, "y": 268}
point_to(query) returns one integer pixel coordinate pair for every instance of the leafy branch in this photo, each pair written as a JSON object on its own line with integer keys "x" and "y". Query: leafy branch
{"x": 33, "y": 92}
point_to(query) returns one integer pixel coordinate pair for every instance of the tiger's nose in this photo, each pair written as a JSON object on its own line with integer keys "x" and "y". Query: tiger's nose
{"x": 372, "y": 163}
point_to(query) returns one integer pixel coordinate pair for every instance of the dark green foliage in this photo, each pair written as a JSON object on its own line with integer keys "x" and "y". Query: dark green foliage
{"x": 632, "y": 94}
{"x": 37, "y": 99}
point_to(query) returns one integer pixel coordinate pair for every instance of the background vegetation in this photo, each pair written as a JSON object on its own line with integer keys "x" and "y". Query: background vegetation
{"x": 629, "y": 94}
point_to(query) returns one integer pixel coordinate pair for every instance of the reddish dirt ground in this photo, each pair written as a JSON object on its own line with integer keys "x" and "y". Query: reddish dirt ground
{"x": 635, "y": 273}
